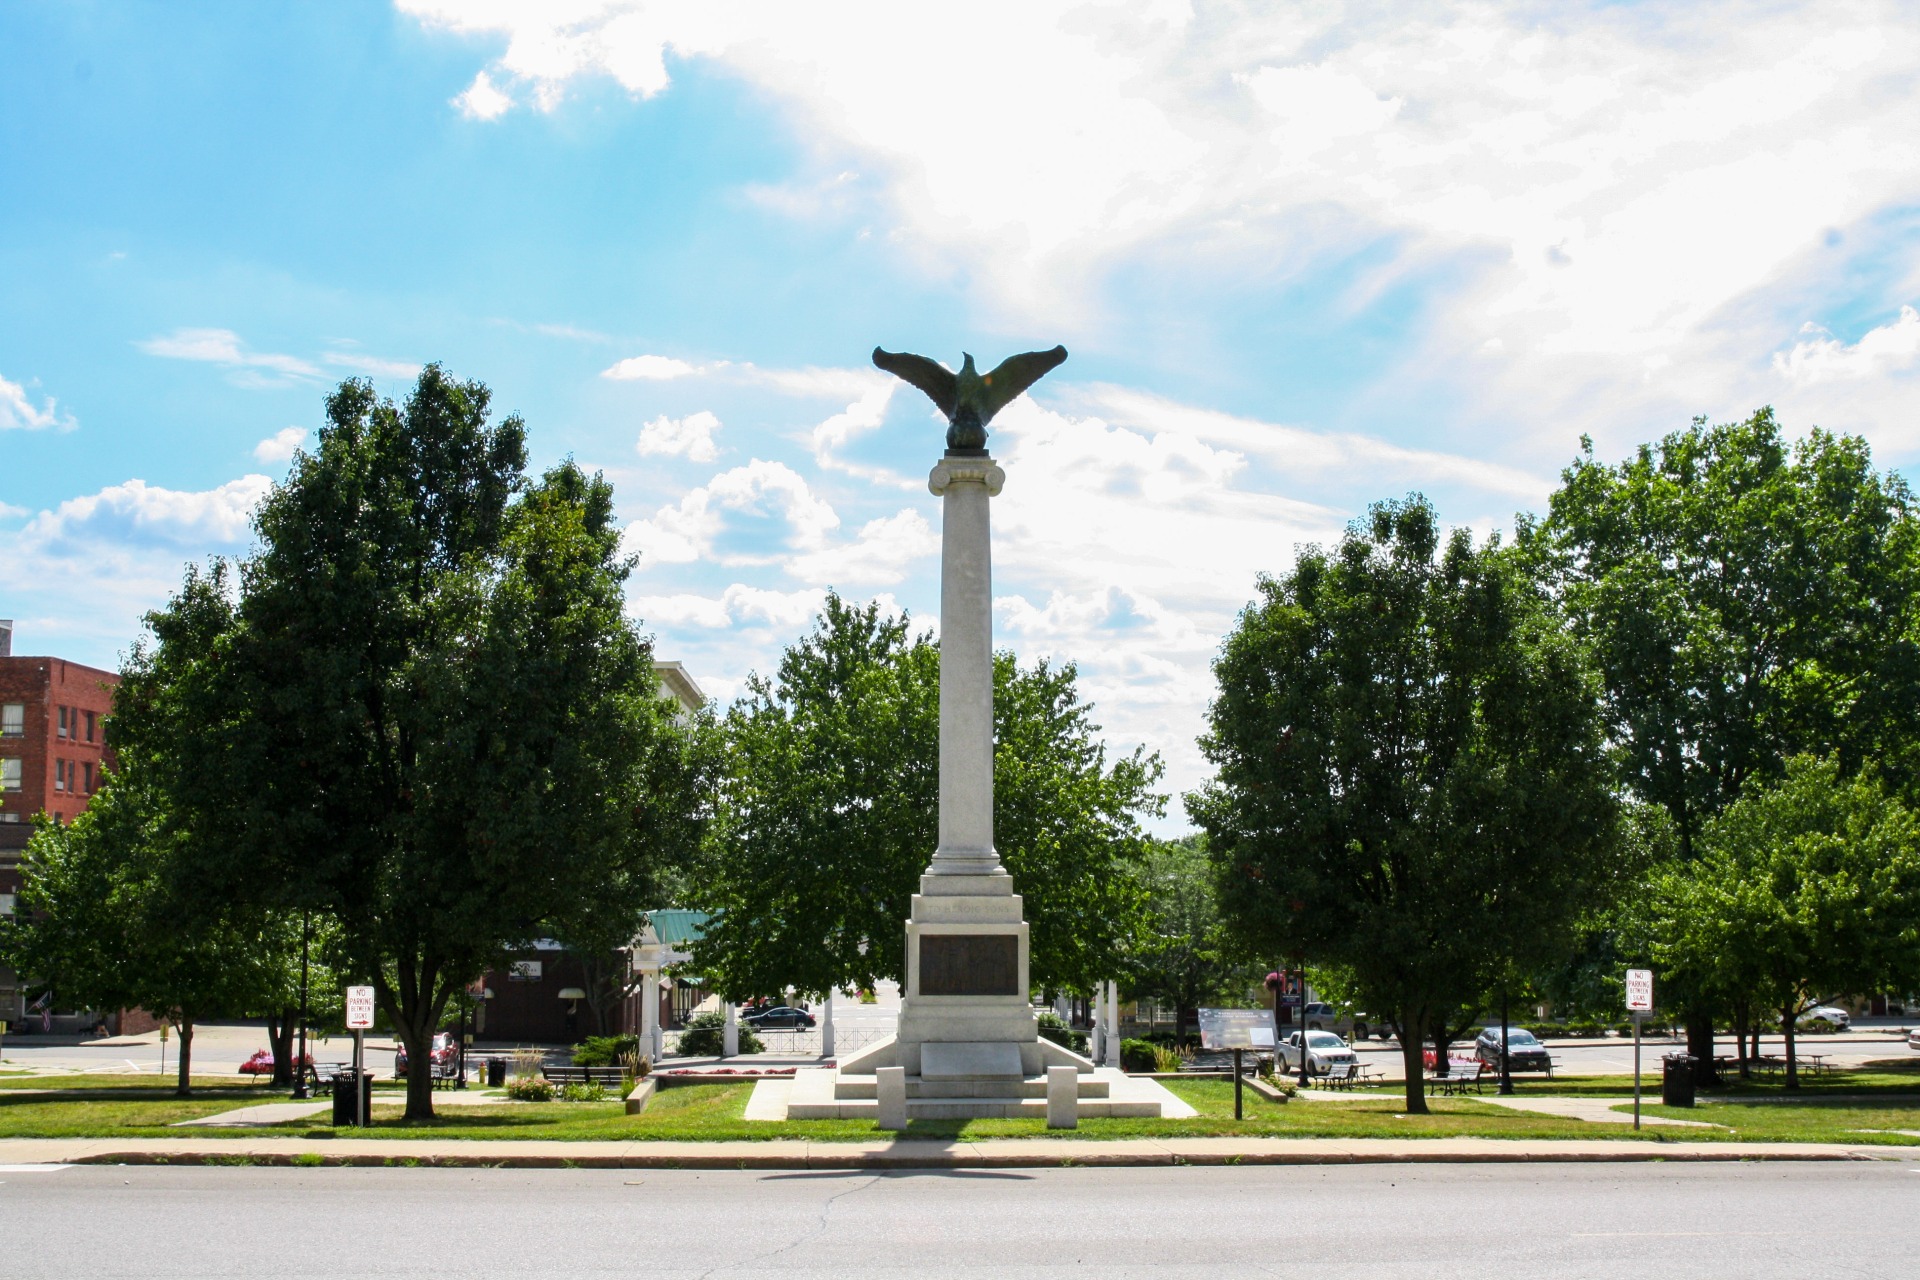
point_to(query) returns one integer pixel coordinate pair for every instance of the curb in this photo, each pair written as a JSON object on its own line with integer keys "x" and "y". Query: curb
{"x": 818, "y": 1159}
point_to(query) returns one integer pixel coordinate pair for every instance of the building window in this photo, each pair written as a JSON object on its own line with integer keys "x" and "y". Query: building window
{"x": 13, "y": 720}
{"x": 59, "y": 775}
{"x": 86, "y": 774}
{"x": 90, "y": 719}
{"x": 9, "y": 775}
{"x": 6, "y": 904}
{"x": 61, "y": 732}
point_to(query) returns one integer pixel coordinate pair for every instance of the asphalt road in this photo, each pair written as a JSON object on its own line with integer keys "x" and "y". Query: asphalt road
{"x": 1591, "y": 1220}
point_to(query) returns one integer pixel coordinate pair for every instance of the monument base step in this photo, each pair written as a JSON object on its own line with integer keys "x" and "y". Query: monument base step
{"x": 966, "y": 1109}
{"x": 977, "y": 1087}
{"x": 824, "y": 1094}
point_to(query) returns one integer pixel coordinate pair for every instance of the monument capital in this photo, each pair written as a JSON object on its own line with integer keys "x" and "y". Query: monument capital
{"x": 950, "y": 471}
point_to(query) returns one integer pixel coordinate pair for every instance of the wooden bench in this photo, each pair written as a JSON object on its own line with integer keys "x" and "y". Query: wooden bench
{"x": 583, "y": 1075}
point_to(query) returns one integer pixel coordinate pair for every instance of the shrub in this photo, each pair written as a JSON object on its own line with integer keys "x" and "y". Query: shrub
{"x": 527, "y": 1062}
{"x": 1138, "y": 1055}
{"x": 705, "y": 1036}
{"x": 1165, "y": 1059}
{"x": 584, "y": 1093}
{"x": 529, "y": 1089}
{"x": 604, "y": 1051}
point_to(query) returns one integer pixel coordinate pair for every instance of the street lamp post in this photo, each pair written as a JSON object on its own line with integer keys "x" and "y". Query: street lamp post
{"x": 300, "y": 1058}
{"x": 1506, "y": 1076}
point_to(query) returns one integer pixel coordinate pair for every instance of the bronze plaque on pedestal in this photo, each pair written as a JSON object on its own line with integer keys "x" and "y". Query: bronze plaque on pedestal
{"x": 969, "y": 964}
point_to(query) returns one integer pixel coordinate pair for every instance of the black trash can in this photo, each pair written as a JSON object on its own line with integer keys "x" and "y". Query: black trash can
{"x": 1676, "y": 1080}
{"x": 344, "y": 1092}
{"x": 496, "y": 1073}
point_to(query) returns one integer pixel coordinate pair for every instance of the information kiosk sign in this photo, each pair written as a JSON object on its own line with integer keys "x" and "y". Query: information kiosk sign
{"x": 1236, "y": 1029}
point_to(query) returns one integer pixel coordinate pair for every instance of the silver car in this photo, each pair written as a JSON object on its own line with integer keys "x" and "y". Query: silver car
{"x": 1323, "y": 1049}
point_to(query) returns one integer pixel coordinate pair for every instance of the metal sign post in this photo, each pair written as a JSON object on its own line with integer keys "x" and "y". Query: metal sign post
{"x": 1639, "y": 1001}
{"x": 359, "y": 1018}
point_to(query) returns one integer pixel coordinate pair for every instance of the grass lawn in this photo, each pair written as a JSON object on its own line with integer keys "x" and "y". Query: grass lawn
{"x": 149, "y": 1081}
{"x": 714, "y": 1112}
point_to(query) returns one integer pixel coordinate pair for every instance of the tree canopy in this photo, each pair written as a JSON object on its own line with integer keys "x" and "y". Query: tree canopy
{"x": 830, "y": 807}
{"x": 1804, "y": 888}
{"x": 1746, "y": 599}
{"x": 1411, "y": 781}
{"x": 431, "y": 719}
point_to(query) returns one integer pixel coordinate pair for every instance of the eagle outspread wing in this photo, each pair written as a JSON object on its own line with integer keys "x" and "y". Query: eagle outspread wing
{"x": 930, "y": 377}
{"x": 1014, "y": 375}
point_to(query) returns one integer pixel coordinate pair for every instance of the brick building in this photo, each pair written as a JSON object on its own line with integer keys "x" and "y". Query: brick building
{"x": 53, "y": 720}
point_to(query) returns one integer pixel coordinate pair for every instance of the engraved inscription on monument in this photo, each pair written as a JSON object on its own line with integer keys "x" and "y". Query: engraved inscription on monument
{"x": 969, "y": 964}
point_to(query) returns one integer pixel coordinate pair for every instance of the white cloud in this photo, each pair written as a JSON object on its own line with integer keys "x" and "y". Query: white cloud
{"x": 92, "y": 566}
{"x": 652, "y": 369}
{"x": 374, "y": 365}
{"x": 690, "y": 437}
{"x": 766, "y": 508}
{"x": 17, "y": 411}
{"x": 224, "y": 347}
{"x": 739, "y": 605}
{"x": 482, "y": 100}
{"x": 10, "y": 512}
{"x": 1625, "y": 198}
{"x": 1892, "y": 347}
{"x": 281, "y": 445}
{"x": 136, "y": 512}
{"x": 882, "y": 553}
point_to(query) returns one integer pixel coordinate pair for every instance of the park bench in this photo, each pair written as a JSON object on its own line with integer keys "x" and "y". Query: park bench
{"x": 321, "y": 1076}
{"x": 1462, "y": 1076}
{"x": 583, "y": 1075}
{"x": 1338, "y": 1075}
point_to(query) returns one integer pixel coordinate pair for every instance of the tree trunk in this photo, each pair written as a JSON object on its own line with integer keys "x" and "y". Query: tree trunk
{"x": 185, "y": 1027}
{"x": 280, "y": 1041}
{"x": 1410, "y": 1047}
{"x": 1786, "y": 1029}
{"x": 1180, "y": 1020}
{"x": 414, "y": 1005}
{"x": 1700, "y": 1046}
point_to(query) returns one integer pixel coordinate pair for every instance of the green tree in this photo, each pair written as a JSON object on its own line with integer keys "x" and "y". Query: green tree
{"x": 1411, "y": 784}
{"x": 113, "y": 916}
{"x": 1185, "y": 955}
{"x": 1804, "y": 887}
{"x": 1745, "y": 600}
{"x": 831, "y": 800}
{"x": 431, "y": 719}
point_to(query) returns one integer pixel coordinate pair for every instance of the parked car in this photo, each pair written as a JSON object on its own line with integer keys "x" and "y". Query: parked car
{"x": 780, "y": 1017}
{"x": 261, "y": 1064}
{"x": 1323, "y": 1048}
{"x": 1524, "y": 1051}
{"x": 1342, "y": 1020}
{"x": 1913, "y": 1038}
{"x": 444, "y": 1052}
{"x": 1836, "y": 1018}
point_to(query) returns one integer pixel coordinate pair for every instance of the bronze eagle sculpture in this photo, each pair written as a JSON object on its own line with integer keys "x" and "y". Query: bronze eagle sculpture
{"x": 968, "y": 398}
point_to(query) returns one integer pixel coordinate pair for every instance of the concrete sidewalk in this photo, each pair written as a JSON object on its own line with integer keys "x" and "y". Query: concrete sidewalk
{"x": 911, "y": 1153}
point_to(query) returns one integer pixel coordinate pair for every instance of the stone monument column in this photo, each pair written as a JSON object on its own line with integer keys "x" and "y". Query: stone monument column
{"x": 965, "y": 486}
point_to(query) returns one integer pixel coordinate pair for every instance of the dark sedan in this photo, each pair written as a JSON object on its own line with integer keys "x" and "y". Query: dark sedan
{"x": 780, "y": 1017}
{"x": 1524, "y": 1051}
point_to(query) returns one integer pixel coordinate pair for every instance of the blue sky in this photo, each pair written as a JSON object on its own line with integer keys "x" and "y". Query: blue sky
{"x": 1303, "y": 257}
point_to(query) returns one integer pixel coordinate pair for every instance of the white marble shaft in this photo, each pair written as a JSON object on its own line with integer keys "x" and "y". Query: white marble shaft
{"x": 965, "y": 486}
